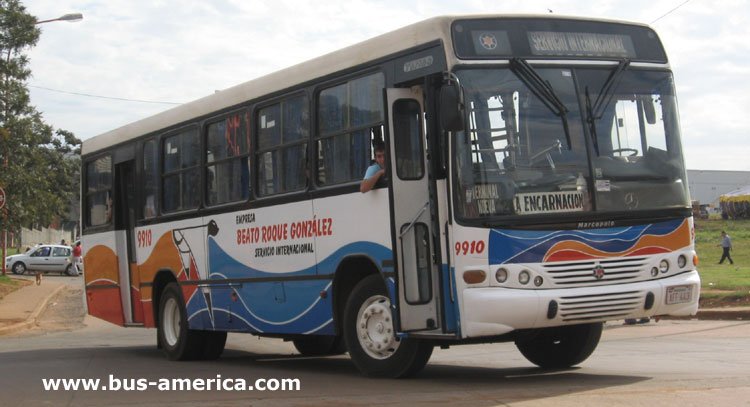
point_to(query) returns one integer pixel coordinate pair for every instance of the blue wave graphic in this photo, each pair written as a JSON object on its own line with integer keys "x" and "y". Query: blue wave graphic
{"x": 272, "y": 306}
{"x": 524, "y": 246}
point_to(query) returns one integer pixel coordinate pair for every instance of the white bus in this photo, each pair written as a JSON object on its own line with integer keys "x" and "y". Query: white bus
{"x": 535, "y": 188}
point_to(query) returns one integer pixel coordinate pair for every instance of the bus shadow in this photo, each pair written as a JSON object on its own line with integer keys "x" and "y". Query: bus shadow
{"x": 332, "y": 378}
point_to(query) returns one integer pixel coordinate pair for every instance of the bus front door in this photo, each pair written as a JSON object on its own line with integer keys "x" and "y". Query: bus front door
{"x": 417, "y": 273}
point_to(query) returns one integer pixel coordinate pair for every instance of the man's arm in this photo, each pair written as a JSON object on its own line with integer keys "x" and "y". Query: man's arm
{"x": 369, "y": 183}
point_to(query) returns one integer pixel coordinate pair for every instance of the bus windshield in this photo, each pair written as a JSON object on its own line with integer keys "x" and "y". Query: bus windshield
{"x": 614, "y": 145}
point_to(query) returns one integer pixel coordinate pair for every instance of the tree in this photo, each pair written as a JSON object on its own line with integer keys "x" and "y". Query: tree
{"x": 39, "y": 167}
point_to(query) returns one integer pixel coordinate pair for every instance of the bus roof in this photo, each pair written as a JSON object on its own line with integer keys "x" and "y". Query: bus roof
{"x": 433, "y": 29}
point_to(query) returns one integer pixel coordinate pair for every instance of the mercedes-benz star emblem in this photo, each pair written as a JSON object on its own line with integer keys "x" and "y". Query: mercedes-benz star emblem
{"x": 631, "y": 201}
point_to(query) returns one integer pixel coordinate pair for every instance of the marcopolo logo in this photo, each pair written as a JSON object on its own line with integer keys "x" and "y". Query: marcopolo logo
{"x": 598, "y": 272}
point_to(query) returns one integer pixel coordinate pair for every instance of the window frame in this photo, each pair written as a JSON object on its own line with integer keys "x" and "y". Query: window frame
{"x": 281, "y": 147}
{"x": 163, "y": 174}
{"x": 143, "y": 196}
{"x": 317, "y": 137}
{"x": 205, "y": 164}
{"x": 88, "y": 192}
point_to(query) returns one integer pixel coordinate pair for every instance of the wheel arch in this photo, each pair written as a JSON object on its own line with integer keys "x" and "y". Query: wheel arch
{"x": 349, "y": 272}
{"x": 161, "y": 280}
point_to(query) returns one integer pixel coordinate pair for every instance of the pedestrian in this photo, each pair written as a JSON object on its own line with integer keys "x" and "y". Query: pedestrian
{"x": 77, "y": 257}
{"x": 726, "y": 245}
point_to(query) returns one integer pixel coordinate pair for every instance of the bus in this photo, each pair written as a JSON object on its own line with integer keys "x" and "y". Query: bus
{"x": 534, "y": 189}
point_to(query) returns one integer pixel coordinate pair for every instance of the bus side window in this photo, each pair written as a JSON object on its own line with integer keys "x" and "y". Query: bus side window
{"x": 350, "y": 116}
{"x": 283, "y": 131}
{"x": 98, "y": 191}
{"x": 150, "y": 179}
{"x": 227, "y": 154}
{"x": 181, "y": 171}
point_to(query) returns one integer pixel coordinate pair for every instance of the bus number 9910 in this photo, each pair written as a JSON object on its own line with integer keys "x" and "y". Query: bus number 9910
{"x": 469, "y": 247}
{"x": 144, "y": 238}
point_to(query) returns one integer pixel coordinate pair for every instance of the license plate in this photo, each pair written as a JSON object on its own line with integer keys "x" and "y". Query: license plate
{"x": 679, "y": 294}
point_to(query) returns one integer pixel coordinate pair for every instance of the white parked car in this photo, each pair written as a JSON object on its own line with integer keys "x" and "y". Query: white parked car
{"x": 44, "y": 258}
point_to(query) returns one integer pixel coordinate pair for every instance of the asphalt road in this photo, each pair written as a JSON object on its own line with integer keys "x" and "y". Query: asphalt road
{"x": 678, "y": 363}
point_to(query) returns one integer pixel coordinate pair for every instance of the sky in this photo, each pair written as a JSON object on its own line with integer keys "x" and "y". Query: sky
{"x": 137, "y": 58}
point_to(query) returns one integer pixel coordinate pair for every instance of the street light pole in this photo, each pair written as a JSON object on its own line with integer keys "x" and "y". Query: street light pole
{"x": 71, "y": 18}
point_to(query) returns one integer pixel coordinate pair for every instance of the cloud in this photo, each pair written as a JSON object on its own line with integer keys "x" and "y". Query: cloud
{"x": 170, "y": 50}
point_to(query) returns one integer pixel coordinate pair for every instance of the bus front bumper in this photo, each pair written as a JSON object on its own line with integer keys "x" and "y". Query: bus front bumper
{"x": 491, "y": 311}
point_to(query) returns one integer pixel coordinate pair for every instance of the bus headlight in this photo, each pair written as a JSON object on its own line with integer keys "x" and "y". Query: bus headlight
{"x": 681, "y": 261}
{"x": 538, "y": 281}
{"x": 663, "y": 266}
{"x": 524, "y": 277}
{"x": 501, "y": 275}
{"x": 654, "y": 271}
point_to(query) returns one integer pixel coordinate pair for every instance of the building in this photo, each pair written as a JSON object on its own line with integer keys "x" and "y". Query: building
{"x": 706, "y": 186}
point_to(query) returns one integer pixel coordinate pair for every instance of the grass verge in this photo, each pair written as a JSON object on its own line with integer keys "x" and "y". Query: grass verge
{"x": 723, "y": 284}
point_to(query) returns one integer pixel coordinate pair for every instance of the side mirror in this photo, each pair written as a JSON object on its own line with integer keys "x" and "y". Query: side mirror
{"x": 451, "y": 108}
{"x": 648, "y": 109}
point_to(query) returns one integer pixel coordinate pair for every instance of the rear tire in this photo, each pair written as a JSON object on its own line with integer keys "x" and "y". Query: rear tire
{"x": 213, "y": 344}
{"x": 320, "y": 345}
{"x": 560, "y": 347}
{"x": 69, "y": 270}
{"x": 371, "y": 339}
{"x": 176, "y": 340}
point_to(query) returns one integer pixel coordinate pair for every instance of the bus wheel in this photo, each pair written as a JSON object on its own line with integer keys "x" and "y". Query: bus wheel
{"x": 213, "y": 344}
{"x": 177, "y": 341}
{"x": 560, "y": 347}
{"x": 371, "y": 339}
{"x": 319, "y": 345}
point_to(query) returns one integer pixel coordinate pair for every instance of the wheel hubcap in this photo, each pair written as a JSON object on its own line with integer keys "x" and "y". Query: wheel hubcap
{"x": 171, "y": 322}
{"x": 375, "y": 328}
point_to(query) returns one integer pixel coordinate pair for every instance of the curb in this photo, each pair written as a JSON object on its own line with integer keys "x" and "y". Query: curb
{"x": 31, "y": 320}
{"x": 715, "y": 314}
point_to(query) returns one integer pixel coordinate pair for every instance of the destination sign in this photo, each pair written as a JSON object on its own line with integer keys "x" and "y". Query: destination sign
{"x": 548, "y": 202}
{"x": 580, "y": 44}
{"x": 531, "y": 37}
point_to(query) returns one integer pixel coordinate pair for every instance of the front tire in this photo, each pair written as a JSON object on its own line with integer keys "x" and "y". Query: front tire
{"x": 19, "y": 268}
{"x": 371, "y": 339}
{"x": 176, "y": 340}
{"x": 560, "y": 347}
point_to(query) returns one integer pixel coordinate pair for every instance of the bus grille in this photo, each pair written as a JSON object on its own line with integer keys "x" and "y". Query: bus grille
{"x": 581, "y": 274}
{"x": 600, "y": 306}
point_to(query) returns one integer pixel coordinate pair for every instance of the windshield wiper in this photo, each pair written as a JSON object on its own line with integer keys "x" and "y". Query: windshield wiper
{"x": 608, "y": 89}
{"x": 596, "y": 111}
{"x": 542, "y": 90}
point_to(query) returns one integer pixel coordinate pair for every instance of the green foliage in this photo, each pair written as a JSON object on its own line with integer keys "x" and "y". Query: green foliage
{"x": 39, "y": 167}
{"x": 728, "y": 277}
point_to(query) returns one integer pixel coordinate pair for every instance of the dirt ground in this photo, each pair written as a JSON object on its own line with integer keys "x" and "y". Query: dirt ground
{"x": 9, "y": 288}
{"x": 64, "y": 312}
